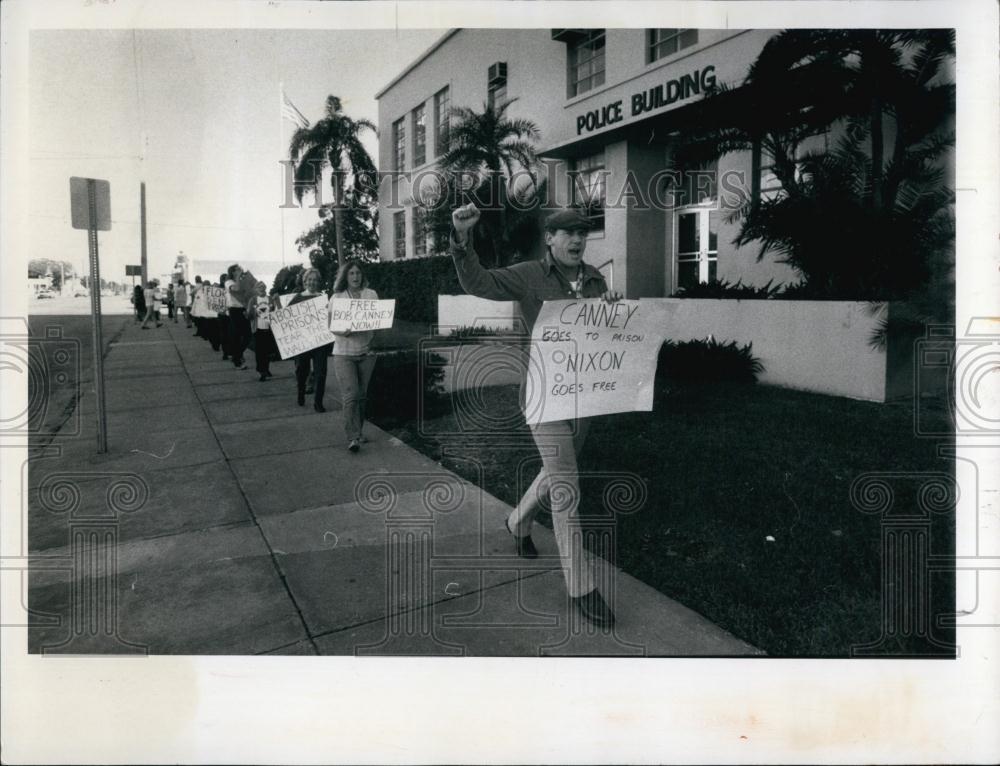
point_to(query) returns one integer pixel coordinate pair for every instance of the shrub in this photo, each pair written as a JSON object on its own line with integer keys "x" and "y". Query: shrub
{"x": 467, "y": 332}
{"x": 723, "y": 289}
{"x": 707, "y": 361}
{"x": 394, "y": 393}
{"x": 415, "y": 284}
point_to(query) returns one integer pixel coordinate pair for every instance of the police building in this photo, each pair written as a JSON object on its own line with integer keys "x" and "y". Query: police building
{"x": 610, "y": 104}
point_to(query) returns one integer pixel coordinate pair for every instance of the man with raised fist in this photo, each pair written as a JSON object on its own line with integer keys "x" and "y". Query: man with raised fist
{"x": 560, "y": 275}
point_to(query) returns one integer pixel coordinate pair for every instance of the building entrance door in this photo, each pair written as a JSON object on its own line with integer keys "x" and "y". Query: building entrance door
{"x": 696, "y": 246}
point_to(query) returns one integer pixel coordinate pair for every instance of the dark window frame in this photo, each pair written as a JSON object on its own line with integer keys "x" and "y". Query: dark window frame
{"x": 399, "y": 144}
{"x": 419, "y": 134}
{"x": 595, "y": 77}
{"x": 658, "y": 46}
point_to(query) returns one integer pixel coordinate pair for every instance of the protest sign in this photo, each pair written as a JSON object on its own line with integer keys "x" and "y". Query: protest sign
{"x": 284, "y": 299}
{"x": 589, "y": 358}
{"x": 361, "y": 315}
{"x": 199, "y": 306}
{"x": 215, "y": 299}
{"x": 301, "y": 326}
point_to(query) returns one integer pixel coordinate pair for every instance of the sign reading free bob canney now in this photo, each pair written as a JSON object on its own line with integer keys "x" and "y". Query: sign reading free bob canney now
{"x": 301, "y": 326}
{"x": 361, "y": 315}
{"x": 589, "y": 357}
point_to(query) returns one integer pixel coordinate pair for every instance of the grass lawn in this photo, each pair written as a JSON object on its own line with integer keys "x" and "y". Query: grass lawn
{"x": 726, "y": 467}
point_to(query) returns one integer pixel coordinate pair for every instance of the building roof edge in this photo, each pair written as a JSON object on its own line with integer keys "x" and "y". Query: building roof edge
{"x": 418, "y": 60}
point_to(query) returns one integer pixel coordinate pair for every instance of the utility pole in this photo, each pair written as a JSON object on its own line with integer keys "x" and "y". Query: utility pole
{"x": 142, "y": 232}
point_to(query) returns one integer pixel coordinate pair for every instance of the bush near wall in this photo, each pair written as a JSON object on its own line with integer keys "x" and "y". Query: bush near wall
{"x": 405, "y": 389}
{"x": 706, "y": 361}
{"x": 415, "y": 284}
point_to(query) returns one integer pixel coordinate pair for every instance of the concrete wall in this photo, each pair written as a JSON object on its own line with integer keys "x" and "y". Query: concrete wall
{"x": 647, "y": 243}
{"x": 820, "y": 346}
{"x": 468, "y": 311}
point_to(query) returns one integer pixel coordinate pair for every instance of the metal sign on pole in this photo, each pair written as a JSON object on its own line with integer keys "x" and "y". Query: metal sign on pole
{"x": 90, "y": 203}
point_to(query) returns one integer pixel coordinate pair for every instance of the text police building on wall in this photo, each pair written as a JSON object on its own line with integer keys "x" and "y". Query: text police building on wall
{"x": 609, "y": 103}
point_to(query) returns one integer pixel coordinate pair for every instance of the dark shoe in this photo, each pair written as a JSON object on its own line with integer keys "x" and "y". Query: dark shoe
{"x": 319, "y": 407}
{"x": 301, "y": 399}
{"x": 225, "y": 357}
{"x": 523, "y": 545}
{"x": 594, "y": 608}
{"x": 263, "y": 377}
{"x": 354, "y": 446}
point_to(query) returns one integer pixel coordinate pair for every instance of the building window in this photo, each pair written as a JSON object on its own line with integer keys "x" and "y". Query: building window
{"x": 496, "y": 84}
{"x": 399, "y": 234}
{"x": 442, "y": 121}
{"x": 399, "y": 144}
{"x": 586, "y": 62}
{"x": 588, "y": 187}
{"x": 697, "y": 249}
{"x": 815, "y": 144}
{"x": 661, "y": 43}
{"x": 419, "y": 136}
{"x": 421, "y": 234}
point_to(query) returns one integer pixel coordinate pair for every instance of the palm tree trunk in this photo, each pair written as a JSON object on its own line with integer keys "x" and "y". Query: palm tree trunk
{"x": 338, "y": 217}
{"x": 878, "y": 151}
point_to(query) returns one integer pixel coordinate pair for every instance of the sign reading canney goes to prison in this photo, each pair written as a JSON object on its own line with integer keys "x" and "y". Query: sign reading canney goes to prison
{"x": 589, "y": 357}
{"x": 301, "y": 326}
{"x": 361, "y": 315}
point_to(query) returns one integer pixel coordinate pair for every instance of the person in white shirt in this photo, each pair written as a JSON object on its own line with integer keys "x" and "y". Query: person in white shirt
{"x": 353, "y": 359}
{"x": 259, "y": 310}
{"x": 239, "y": 327}
{"x": 152, "y": 305}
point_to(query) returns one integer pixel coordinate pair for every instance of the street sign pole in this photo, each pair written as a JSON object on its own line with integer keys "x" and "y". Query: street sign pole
{"x": 95, "y": 310}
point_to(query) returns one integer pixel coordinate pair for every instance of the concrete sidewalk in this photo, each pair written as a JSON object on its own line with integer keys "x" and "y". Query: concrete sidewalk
{"x": 225, "y": 519}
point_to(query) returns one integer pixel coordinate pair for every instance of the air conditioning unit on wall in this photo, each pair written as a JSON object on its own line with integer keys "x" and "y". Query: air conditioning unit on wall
{"x": 497, "y": 72}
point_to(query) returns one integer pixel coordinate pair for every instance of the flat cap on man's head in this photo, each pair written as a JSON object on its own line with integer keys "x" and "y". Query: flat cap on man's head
{"x": 567, "y": 218}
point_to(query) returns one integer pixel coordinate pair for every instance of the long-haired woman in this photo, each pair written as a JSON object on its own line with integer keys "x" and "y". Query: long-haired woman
{"x": 312, "y": 283}
{"x": 353, "y": 359}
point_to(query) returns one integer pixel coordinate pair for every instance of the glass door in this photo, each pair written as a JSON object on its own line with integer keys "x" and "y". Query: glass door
{"x": 696, "y": 251}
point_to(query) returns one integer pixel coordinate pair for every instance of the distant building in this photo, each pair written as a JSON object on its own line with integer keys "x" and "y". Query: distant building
{"x": 39, "y": 284}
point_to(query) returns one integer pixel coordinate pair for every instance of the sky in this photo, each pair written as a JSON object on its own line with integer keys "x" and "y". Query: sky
{"x": 194, "y": 114}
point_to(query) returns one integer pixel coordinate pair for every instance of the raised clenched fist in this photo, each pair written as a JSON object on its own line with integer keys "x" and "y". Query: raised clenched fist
{"x": 464, "y": 218}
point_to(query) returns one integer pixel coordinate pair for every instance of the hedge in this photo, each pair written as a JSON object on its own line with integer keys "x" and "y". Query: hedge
{"x": 415, "y": 284}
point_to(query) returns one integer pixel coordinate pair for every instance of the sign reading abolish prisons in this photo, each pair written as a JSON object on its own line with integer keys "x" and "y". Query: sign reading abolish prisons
{"x": 589, "y": 358}
{"x": 301, "y": 326}
{"x": 359, "y": 316}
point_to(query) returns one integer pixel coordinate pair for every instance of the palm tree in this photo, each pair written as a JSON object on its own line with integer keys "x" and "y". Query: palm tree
{"x": 841, "y": 217}
{"x": 491, "y": 147}
{"x": 334, "y": 142}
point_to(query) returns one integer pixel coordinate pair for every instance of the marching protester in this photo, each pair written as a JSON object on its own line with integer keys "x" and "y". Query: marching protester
{"x": 182, "y": 296}
{"x": 259, "y": 310}
{"x": 312, "y": 281}
{"x": 353, "y": 360}
{"x": 169, "y": 300}
{"x": 239, "y": 327}
{"x": 561, "y": 274}
{"x": 152, "y": 306}
{"x": 222, "y": 323}
{"x": 139, "y": 302}
{"x": 197, "y": 310}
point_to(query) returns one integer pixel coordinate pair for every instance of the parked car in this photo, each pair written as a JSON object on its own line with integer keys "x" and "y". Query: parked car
{"x": 81, "y": 292}
{"x": 44, "y": 294}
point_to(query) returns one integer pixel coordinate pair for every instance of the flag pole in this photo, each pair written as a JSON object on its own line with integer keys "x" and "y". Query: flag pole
{"x": 281, "y": 141}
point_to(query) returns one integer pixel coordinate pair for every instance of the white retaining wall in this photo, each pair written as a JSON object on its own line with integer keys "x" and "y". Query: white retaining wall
{"x": 820, "y": 346}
